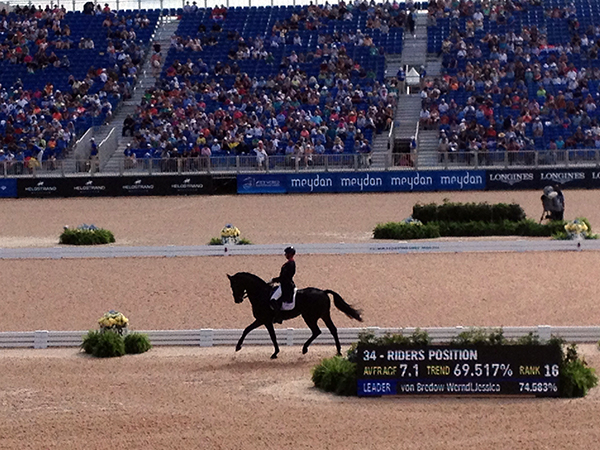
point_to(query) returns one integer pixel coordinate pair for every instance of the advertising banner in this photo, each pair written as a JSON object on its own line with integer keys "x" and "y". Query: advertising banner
{"x": 571, "y": 178}
{"x": 90, "y": 187}
{"x": 224, "y": 185}
{"x": 511, "y": 179}
{"x": 261, "y": 184}
{"x": 42, "y": 187}
{"x": 100, "y": 186}
{"x": 538, "y": 178}
{"x": 8, "y": 188}
{"x": 188, "y": 185}
{"x": 338, "y": 182}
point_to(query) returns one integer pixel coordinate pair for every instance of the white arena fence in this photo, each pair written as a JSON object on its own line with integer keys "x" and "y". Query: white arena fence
{"x": 374, "y": 248}
{"x": 206, "y": 337}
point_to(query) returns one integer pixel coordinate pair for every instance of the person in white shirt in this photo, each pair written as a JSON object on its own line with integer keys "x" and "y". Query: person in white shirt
{"x": 261, "y": 154}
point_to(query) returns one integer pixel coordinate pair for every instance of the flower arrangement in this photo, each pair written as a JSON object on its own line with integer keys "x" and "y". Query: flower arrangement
{"x": 410, "y": 221}
{"x": 230, "y": 234}
{"x": 577, "y": 229}
{"x": 113, "y": 321}
{"x": 109, "y": 341}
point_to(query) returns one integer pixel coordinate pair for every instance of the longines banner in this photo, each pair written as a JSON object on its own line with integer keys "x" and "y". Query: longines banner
{"x": 538, "y": 178}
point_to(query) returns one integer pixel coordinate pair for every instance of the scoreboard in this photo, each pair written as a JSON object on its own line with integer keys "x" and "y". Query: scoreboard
{"x": 467, "y": 370}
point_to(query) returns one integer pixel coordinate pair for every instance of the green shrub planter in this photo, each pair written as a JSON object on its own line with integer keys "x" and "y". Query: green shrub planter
{"x": 86, "y": 235}
{"x": 526, "y": 227}
{"x": 338, "y": 375}
{"x": 468, "y": 212}
{"x": 472, "y": 220}
{"x": 109, "y": 343}
{"x": 90, "y": 341}
{"x": 136, "y": 343}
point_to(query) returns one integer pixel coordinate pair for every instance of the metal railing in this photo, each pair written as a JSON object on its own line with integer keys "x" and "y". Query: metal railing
{"x": 314, "y": 163}
{"x": 522, "y": 158}
{"x": 244, "y": 164}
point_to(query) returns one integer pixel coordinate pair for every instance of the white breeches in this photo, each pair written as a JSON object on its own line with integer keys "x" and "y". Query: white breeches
{"x": 277, "y": 294}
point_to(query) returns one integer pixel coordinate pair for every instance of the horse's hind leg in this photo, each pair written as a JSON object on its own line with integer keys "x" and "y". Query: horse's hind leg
{"x": 334, "y": 333}
{"x": 271, "y": 330}
{"x": 316, "y": 332}
{"x": 248, "y": 329}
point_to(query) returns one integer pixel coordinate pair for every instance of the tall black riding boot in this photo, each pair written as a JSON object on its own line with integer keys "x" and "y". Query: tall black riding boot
{"x": 277, "y": 318}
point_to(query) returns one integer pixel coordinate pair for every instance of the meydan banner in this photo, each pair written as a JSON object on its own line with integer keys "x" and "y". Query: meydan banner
{"x": 404, "y": 181}
{"x": 418, "y": 181}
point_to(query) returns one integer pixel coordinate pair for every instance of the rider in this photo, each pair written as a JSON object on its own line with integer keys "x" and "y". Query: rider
{"x": 285, "y": 279}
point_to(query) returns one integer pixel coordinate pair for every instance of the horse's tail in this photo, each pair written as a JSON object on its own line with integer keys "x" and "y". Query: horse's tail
{"x": 344, "y": 307}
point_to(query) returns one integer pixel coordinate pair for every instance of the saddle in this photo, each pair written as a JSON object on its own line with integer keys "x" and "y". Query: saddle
{"x": 285, "y": 306}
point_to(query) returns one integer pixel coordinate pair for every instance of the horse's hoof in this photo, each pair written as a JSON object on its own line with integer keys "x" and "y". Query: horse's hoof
{"x": 274, "y": 356}
{"x": 304, "y": 350}
{"x": 238, "y": 348}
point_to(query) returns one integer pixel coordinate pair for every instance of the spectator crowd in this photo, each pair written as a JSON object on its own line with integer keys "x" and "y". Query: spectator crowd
{"x": 511, "y": 82}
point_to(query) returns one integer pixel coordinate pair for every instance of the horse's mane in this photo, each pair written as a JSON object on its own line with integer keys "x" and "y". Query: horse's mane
{"x": 252, "y": 276}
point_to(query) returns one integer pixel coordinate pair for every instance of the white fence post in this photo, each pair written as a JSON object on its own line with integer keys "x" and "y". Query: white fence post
{"x": 375, "y": 330}
{"x": 290, "y": 337}
{"x": 206, "y": 337}
{"x": 40, "y": 339}
{"x": 544, "y": 332}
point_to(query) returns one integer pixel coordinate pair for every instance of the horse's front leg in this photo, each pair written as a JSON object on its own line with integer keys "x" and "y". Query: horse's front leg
{"x": 269, "y": 326}
{"x": 248, "y": 329}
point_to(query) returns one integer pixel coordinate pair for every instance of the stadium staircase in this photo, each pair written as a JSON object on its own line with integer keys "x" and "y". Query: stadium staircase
{"x": 393, "y": 62}
{"x": 380, "y": 151}
{"x": 407, "y": 116}
{"x": 414, "y": 49}
{"x": 165, "y": 28}
{"x": 428, "y": 144}
{"x": 433, "y": 65}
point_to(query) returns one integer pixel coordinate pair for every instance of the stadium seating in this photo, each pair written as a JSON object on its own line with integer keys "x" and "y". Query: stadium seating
{"x": 221, "y": 39}
{"x": 527, "y": 80}
{"x": 47, "y": 112}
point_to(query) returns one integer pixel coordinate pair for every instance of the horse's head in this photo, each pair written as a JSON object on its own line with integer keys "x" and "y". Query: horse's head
{"x": 246, "y": 284}
{"x": 239, "y": 291}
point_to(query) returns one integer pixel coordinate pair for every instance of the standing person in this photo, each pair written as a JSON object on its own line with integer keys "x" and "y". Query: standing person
{"x": 549, "y": 204}
{"x": 94, "y": 158}
{"x": 285, "y": 291}
{"x": 401, "y": 76}
{"x": 410, "y": 23}
{"x": 559, "y": 203}
{"x": 261, "y": 155}
{"x": 156, "y": 63}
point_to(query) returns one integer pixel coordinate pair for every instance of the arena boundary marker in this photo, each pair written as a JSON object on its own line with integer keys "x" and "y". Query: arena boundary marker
{"x": 207, "y": 337}
{"x": 469, "y": 246}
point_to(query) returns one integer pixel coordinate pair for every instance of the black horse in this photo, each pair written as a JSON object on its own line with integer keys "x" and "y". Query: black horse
{"x": 312, "y": 303}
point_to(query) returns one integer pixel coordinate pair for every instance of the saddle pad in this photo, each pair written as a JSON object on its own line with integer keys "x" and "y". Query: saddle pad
{"x": 291, "y": 305}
